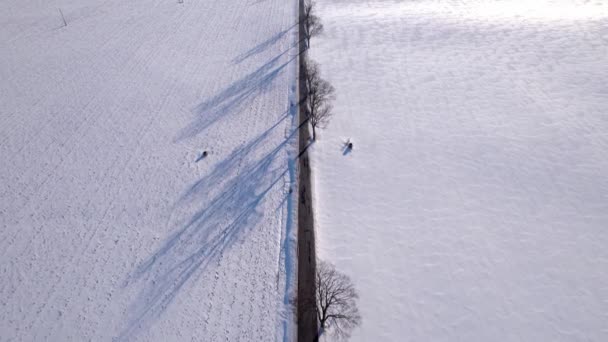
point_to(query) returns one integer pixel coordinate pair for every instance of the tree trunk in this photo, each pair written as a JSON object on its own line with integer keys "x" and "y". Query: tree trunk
{"x": 319, "y": 332}
{"x": 314, "y": 133}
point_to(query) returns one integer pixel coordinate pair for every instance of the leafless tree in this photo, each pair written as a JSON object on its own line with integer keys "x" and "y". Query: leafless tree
{"x": 336, "y": 302}
{"x": 320, "y": 93}
{"x": 312, "y": 23}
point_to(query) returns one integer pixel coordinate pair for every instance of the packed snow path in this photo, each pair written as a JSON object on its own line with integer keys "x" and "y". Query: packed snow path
{"x": 474, "y": 204}
{"x": 113, "y": 225}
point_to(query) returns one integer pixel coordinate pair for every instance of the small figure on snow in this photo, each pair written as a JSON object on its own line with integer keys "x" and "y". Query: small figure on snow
{"x": 202, "y": 156}
{"x": 347, "y": 147}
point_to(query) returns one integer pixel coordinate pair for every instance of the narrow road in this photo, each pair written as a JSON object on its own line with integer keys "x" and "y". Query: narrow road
{"x": 307, "y": 322}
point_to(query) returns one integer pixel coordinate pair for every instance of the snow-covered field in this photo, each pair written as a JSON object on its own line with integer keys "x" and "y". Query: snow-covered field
{"x": 474, "y": 206}
{"x": 112, "y": 226}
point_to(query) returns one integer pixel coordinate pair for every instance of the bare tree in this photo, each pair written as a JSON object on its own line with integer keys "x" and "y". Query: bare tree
{"x": 336, "y": 302}
{"x": 312, "y": 23}
{"x": 309, "y": 5}
{"x": 320, "y": 93}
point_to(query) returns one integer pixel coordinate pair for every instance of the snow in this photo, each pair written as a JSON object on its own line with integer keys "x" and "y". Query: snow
{"x": 474, "y": 204}
{"x": 112, "y": 224}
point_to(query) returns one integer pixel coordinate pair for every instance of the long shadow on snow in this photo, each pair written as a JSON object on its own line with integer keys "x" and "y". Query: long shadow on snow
{"x": 233, "y": 98}
{"x": 211, "y": 231}
{"x": 262, "y": 46}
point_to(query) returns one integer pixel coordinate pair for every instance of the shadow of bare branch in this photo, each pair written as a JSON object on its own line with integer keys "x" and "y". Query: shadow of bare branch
{"x": 262, "y": 46}
{"x": 232, "y": 99}
{"x": 244, "y": 178}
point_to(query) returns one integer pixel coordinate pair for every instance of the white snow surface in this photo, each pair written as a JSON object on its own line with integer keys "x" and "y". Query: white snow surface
{"x": 112, "y": 226}
{"x": 474, "y": 205}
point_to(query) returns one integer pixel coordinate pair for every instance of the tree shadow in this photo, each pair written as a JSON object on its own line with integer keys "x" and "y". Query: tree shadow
{"x": 233, "y": 98}
{"x": 263, "y": 45}
{"x": 305, "y": 148}
{"x": 211, "y": 231}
